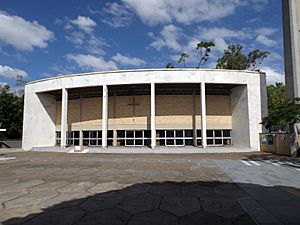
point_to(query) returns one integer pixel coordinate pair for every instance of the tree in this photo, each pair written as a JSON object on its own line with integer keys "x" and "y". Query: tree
{"x": 11, "y": 113}
{"x": 256, "y": 58}
{"x": 286, "y": 113}
{"x": 205, "y": 49}
{"x": 234, "y": 59}
{"x": 276, "y": 96}
{"x": 170, "y": 66}
{"x": 183, "y": 57}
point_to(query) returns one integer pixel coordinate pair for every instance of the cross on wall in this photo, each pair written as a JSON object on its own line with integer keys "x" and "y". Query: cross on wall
{"x": 133, "y": 104}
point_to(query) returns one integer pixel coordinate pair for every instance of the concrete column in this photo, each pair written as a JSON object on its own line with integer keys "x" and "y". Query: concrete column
{"x": 194, "y": 120}
{"x": 64, "y": 118}
{"x": 203, "y": 115}
{"x": 104, "y": 115}
{"x": 80, "y": 131}
{"x": 291, "y": 26}
{"x": 81, "y": 139}
{"x": 115, "y": 141}
{"x": 153, "y": 127}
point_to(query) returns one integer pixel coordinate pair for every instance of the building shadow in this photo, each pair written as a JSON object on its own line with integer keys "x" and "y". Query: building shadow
{"x": 171, "y": 203}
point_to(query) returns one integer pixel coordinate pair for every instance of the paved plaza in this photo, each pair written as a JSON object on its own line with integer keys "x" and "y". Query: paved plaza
{"x": 62, "y": 188}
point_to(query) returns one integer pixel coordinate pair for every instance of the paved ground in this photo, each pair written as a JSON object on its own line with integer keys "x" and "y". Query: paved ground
{"x": 61, "y": 188}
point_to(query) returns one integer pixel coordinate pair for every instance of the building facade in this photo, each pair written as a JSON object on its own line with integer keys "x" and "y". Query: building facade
{"x": 158, "y": 107}
{"x": 291, "y": 28}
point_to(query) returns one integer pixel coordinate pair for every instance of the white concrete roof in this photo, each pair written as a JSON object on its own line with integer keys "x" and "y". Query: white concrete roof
{"x": 140, "y": 71}
{"x": 144, "y": 76}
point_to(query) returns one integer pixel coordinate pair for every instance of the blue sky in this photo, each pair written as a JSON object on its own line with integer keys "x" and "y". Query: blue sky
{"x": 41, "y": 39}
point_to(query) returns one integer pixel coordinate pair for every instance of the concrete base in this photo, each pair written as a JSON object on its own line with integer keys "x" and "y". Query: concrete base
{"x": 146, "y": 150}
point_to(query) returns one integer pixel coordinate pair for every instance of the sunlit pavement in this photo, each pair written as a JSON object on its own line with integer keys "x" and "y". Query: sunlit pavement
{"x": 61, "y": 188}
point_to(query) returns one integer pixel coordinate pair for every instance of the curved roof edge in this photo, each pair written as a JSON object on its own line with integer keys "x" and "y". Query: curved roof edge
{"x": 139, "y": 70}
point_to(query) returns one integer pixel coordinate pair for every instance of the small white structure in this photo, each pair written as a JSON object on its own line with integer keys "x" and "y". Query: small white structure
{"x": 152, "y": 107}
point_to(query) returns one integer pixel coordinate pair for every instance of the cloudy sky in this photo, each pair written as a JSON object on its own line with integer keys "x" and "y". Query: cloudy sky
{"x": 41, "y": 39}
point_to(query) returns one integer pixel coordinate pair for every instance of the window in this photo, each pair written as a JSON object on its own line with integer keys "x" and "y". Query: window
{"x": 215, "y": 137}
{"x": 72, "y": 138}
{"x": 92, "y": 138}
{"x": 174, "y": 137}
{"x": 58, "y": 138}
{"x": 133, "y": 137}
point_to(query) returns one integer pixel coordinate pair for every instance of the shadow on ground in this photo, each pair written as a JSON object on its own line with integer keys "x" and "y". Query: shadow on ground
{"x": 169, "y": 203}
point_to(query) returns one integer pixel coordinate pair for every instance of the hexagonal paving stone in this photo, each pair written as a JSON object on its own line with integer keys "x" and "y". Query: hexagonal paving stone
{"x": 74, "y": 187}
{"x": 165, "y": 189}
{"x": 222, "y": 206}
{"x": 20, "y": 186}
{"x": 65, "y": 216}
{"x": 243, "y": 220}
{"x": 106, "y": 217}
{"x": 104, "y": 187}
{"x": 5, "y": 196}
{"x": 48, "y": 186}
{"x": 140, "y": 203}
{"x": 136, "y": 189}
{"x": 65, "y": 200}
{"x": 154, "y": 217}
{"x": 102, "y": 201}
{"x": 197, "y": 190}
{"x": 204, "y": 218}
{"x": 30, "y": 199}
{"x": 19, "y": 215}
{"x": 180, "y": 205}
{"x": 230, "y": 190}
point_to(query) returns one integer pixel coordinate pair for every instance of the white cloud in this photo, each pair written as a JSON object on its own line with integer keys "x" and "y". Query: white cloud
{"x": 220, "y": 36}
{"x": 220, "y": 44}
{"x": 84, "y": 23}
{"x": 153, "y": 12}
{"x": 95, "y": 44}
{"x": 273, "y": 75}
{"x": 116, "y": 15}
{"x": 266, "y": 41}
{"x": 266, "y": 31}
{"x": 22, "y": 34}
{"x": 259, "y": 5}
{"x": 263, "y": 36}
{"x": 3, "y": 84}
{"x": 168, "y": 37}
{"x": 89, "y": 42}
{"x": 91, "y": 62}
{"x": 11, "y": 73}
{"x": 77, "y": 38}
{"x": 125, "y": 60}
{"x": 222, "y": 32}
{"x": 274, "y": 56}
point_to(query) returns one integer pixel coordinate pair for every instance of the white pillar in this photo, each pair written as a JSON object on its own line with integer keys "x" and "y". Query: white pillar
{"x": 104, "y": 115}
{"x": 194, "y": 120}
{"x": 80, "y": 130}
{"x": 153, "y": 127}
{"x": 64, "y": 118}
{"x": 203, "y": 115}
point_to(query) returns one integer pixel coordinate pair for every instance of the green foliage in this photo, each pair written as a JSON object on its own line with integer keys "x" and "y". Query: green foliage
{"x": 256, "y": 58}
{"x": 276, "y": 96}
{"x": 205, "y": 49}
{"x": 282, "y": 111}
{"x": 234, "y": 59}
{"x": 11, "y": 113}
{"x": 286, "y": 113}
{"x": 170, "y": 66}
{"x": 183, "y": 57}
